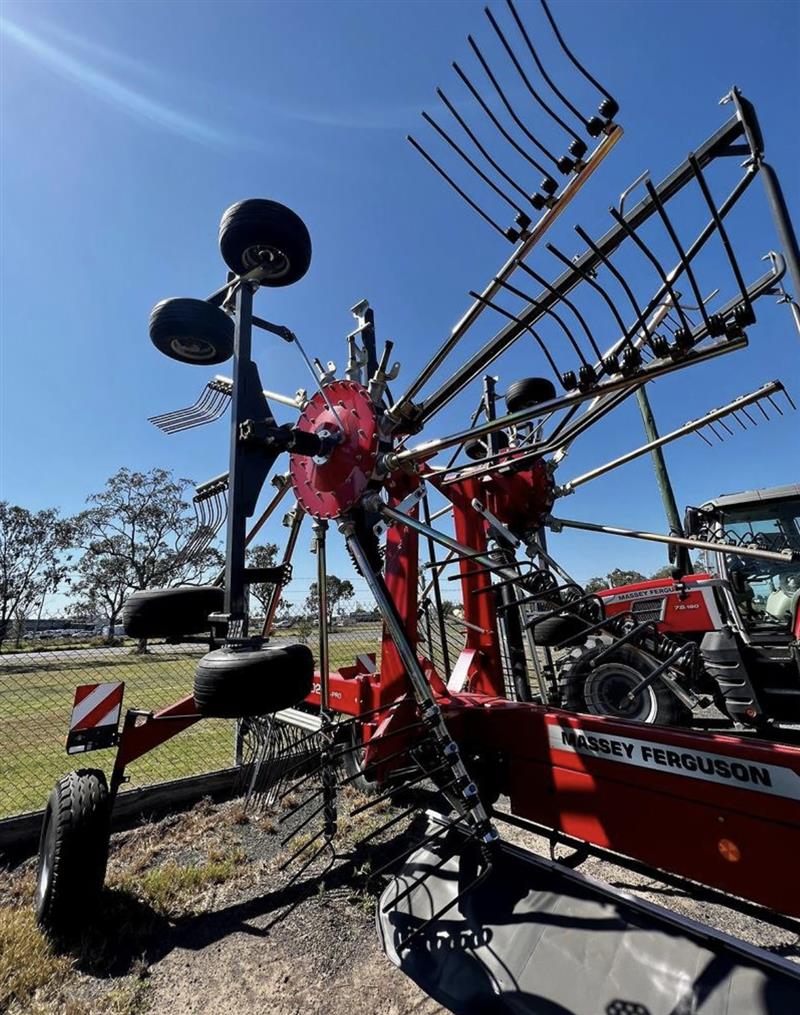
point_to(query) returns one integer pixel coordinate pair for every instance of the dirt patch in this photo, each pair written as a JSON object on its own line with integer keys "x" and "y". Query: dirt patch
{"x": 199, "y": 916}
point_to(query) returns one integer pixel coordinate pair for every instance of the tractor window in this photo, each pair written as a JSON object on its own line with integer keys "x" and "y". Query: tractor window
{"x": 767, "y": 592}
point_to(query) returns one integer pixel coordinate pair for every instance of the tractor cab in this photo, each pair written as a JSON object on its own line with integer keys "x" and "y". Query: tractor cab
{"x": 763, "y": 596}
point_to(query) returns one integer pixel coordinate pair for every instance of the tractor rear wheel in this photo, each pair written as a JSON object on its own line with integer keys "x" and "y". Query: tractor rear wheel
{"x": 602, "y": 689}
{"x": 73, "y": 851}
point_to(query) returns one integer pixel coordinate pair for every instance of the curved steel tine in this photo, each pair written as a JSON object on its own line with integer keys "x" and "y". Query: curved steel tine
{"x": 589, "y": 278}
{"x": 470, "y": 162}
{"x": 549, "y": 311}
{"x": 212, "y": 411}
{"x": 723, "y": 234}
{"x": 641, "y": 319}
{"x": 567, "y": 302}
{"x": 488, "y": 71}
{"x": 542, "y": 71}
{"x": 493, "y": 118}
{"x": 736, "y": 417}
{"x": 620, "y": 220}
{"x": 574, "y": 60}
{"x": 471, "y": 135}
{"x": 685, "y": 264}
{"x": 526, "y": 81}
{"x": 195, "y": 406}
{"x": 512, "y": 317}
{"x": 703, "y": 437}
{"x": 473, "y": 204}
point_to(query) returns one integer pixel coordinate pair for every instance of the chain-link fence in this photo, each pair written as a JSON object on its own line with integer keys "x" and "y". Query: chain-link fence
{"x": 38, "y": 677}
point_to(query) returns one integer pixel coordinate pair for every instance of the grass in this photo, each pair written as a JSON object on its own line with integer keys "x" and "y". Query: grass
{"x": 158, "y": 873}
{"x": 36, "y": 694}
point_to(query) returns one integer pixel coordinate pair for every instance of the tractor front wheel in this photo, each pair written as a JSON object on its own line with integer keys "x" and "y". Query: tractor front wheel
{"x": 602, "y": 689}
{"x": 73, "y": 851}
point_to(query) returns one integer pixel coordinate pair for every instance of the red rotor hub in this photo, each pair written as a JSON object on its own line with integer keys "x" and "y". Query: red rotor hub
{"x": 327, "y": 488}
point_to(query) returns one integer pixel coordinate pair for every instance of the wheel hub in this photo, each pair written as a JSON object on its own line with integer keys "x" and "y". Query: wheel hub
{"x": 326, "y": 486}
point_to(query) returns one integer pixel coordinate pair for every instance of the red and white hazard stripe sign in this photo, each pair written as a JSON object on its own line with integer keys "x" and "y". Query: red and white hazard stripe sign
{"x": 95, "y": 716}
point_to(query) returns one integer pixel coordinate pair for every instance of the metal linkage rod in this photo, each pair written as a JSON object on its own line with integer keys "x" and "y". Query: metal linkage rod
{"x": 780, "y": 556}
{"x": 690, "y": 427}
{"x": 297, "y": 521}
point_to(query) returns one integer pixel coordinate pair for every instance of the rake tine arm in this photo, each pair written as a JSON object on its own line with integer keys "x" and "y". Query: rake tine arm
{"x": 432, "y": 837}
{"x": 397, "y": 789}
{"x": 550, "y": 313}
{"x": 542, "y": 71}
{"x": 723, "y": 235}
{"x": 510, "y": 109}
{"x": 471, "y": 135}
{"x": 684, "y": 260}
{"x": 651, "y": 257}
{"x": 641, "y": 319}
{"x": 613, "y": 107}
{"x": 473, "y": 204}
{"x": 526, "y": 81}
{"x": 587, "y": 277}
{"x": 512, "y": 317}
{"x": 471, "y": 163}
{"x": 568, "y": 302}
{"x": 482, "y": 103}
{"x": 300, "y": 850}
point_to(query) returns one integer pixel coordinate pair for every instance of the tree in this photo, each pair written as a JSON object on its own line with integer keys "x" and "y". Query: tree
{"x": 137, "y": 534}
{"x": 340, "y": 590}
{"x": 619, "y": 577}
{"x": 32, "y": 545}
{"x": 262, "y": 556}
{"x": 596, "y": 584}
{"x": 662, "y": 572}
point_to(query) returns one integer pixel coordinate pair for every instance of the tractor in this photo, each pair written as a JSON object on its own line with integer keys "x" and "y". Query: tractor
{"x": 732, "y": 630}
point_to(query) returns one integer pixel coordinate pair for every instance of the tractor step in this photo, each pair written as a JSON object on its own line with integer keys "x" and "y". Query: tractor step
{"x": 534, "y": 936}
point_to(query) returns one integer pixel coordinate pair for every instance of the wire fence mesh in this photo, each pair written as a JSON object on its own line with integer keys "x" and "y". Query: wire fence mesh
{"x": 38, "y": 677}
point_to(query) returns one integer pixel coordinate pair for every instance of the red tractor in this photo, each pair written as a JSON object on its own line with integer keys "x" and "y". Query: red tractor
{"x": 731, "y": 633}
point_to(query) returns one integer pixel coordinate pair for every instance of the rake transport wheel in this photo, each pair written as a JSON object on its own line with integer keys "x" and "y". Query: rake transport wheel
{"x": 529, "y": 391}
{"x": 563, "y": 631}
{"x": 237, "y": 683}
{"x": 191, "y": 331}
{"x": 73, "y": 851}
{"x": 261, "y": 233}
{"x": 171, "y": 613}
{"x": 601, "y": 689}
{"x": 353, "y": 763}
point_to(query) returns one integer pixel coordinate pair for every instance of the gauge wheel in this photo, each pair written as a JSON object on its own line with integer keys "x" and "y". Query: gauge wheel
{"x": 260, "y": 233}
{"x": 191, "y": 331}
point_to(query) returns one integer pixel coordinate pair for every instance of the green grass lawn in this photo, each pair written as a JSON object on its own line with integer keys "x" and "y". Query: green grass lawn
{"x": 36, "y": 697}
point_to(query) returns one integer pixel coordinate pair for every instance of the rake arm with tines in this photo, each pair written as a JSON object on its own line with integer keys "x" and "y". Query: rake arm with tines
{"x": 486, "y": 168}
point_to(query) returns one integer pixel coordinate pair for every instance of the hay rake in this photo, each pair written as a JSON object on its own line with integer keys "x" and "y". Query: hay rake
{"x": 477, "y": 723}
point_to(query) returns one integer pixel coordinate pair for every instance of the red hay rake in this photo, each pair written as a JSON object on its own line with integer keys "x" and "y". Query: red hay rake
{"x": 479, "y": 725}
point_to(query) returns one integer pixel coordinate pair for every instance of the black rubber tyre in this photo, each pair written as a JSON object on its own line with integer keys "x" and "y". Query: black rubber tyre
{"x": 253, "y": 232}
{"x": 73, "y": 852}
{"x": 563, "y": 631}
{"x": 353, "y": 763}
{"x": 529, "y": 391}
{"x": 478, "y": 448}
{"x": 598, "y": 690}
{"x": 237, "y": 683}
{"x": 171, "y": 613}
{"x": 191, "y": 331}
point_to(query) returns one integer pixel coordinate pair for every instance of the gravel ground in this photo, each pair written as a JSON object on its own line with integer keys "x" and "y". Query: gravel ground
{"x": 240, "y": 940}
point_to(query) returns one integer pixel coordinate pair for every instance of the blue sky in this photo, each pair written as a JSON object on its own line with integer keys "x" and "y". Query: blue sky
{"x": 127, "y": 128}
